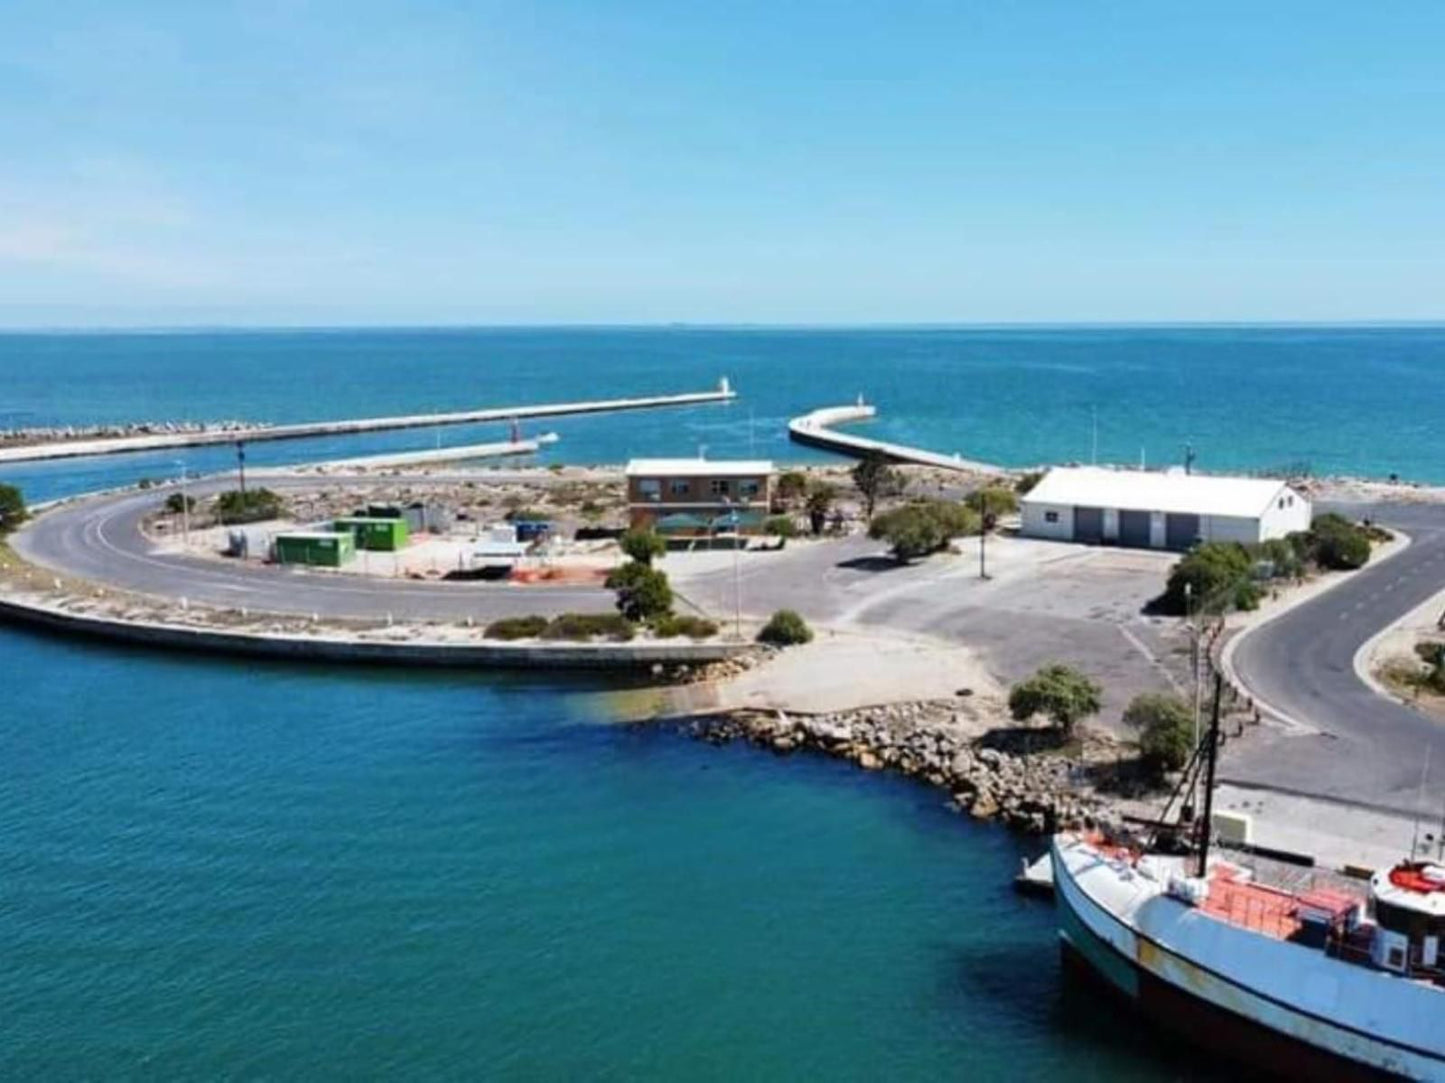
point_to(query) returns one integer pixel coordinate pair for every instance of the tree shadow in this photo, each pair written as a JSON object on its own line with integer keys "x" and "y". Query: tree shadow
{"x": 1025, "y": 740}
{"x": 872, "y": 563}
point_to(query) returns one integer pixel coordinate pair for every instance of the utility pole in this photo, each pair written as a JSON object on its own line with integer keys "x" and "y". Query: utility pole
{"x": 1188, "y": 459}
{"x": 1094, "y": 450}
{"x": 185, "y": 508}
{"x": 737, "y": 571}
{"x": 241, "y": 463}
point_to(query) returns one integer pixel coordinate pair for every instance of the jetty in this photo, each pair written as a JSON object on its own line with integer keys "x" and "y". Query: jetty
{"x": 432, "y": 456}
{"x": 69, "y": 449}
{"x": 815, "y": 429}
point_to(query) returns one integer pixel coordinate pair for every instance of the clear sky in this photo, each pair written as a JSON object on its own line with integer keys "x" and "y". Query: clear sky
{"x": 269, "y": 162}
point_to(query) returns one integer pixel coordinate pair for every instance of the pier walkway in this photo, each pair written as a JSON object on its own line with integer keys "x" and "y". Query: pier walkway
{"x": 117, "y": 445}
{"x": 815, "y": 430}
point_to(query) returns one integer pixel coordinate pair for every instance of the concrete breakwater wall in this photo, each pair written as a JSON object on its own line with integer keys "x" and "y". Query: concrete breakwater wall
{"x": 155, "y": 441}
{"x": 330, "y": 647}
{"x": 930, "y": 742}
{"x": 815, "y": 429}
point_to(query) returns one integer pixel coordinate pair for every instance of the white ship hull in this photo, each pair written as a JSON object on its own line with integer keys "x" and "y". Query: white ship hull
{"x": 1275, "y": 1005}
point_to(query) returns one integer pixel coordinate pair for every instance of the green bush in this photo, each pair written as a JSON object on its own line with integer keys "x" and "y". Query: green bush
{"x": 992, "y": 500}
{"x": 780, "y": 526}
{"x": 583, "y": 626}
{"x": 821, "y": 498}
{"x": 785, "y": 628}
{"x": 1026, "y": 482}
{"x": 642, "y": 591}
{"x": 1219, "y": 577}
{"x": 875, "y": 479}
{"x": 12, "y": 509}
{"x": 1340, "y": 545}
{"x": 643, "y": 546}
{"x": 791, "y": 486}
{"x": 1166, "y": 730}
{"x": 918, "y": 529}
{"x": 1060, "y": 693}
{"x": 1281, "y": 555}
{"x": 252, "y": 506}
{"x": 516, "y": 628}
{"x": 670, "y": 625}
{"x": 175, "y": 503}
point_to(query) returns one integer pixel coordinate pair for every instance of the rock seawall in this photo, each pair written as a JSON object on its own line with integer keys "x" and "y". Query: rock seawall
{"x": 935, "y": 742}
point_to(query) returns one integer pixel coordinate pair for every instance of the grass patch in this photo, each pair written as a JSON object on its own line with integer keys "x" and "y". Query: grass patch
{"x": 671, "y": 625}
{"x": 584, "y": 626}
{"x": 517, "y": 628}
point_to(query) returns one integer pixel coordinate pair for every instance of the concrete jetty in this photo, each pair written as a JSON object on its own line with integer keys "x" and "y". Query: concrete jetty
{"x": 815, "y": 430}
{"x": 112, "y": 446}
{"x": 439, "y": 455}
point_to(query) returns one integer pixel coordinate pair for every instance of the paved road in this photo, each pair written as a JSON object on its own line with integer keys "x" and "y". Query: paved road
{"x": 100, "y": 540}
{"x": 1369, "y": 749}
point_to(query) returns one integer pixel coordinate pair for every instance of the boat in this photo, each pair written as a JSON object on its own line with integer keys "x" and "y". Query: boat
{"x": 1333, "y": 982}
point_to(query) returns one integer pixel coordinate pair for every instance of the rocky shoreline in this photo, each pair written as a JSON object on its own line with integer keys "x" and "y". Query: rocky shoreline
{"x": 938, "y": 743}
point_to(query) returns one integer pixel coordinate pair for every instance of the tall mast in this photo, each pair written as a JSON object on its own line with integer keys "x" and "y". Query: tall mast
{"x": 1211, "y": 759}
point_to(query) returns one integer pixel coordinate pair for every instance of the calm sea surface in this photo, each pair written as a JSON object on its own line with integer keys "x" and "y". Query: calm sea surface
{"x": 212, "y": 870}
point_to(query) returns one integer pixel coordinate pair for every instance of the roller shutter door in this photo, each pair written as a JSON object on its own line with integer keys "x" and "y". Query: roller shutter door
{"x": 1089, "y": 525}
{"x": 1180, "y": 531}
{"x": 1134, "y": 529}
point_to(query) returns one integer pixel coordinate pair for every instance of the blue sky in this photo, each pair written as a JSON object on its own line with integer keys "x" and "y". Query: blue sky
{"x": 361, "y": 163}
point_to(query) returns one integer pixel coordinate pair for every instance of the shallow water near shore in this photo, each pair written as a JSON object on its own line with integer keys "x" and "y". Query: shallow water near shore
{"x": 223, "y": 869}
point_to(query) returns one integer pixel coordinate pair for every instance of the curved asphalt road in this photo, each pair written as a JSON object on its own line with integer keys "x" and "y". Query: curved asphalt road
{"x": 100, "y": 540}
{"x": 1370, "y": 749}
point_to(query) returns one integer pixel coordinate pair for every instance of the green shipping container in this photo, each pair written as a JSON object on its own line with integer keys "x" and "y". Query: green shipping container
{"x": 378, "y": 535}
{"x": 326, "y": 550}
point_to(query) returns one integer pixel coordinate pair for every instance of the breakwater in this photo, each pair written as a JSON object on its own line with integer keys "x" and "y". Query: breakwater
{"x": 934, "y": 742}
{"x": 815, "y": 429}
{"x": 199, "y": 436}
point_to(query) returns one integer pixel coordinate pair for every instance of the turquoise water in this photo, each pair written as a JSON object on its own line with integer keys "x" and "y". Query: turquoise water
{"x": 1359, "y": 401}
{"x": 215, "y": 869}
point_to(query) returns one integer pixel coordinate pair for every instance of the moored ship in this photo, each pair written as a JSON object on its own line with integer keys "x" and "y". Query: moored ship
{"x": 1325, "y": 983}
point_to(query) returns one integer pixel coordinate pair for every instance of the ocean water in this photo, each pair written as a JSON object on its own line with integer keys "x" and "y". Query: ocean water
{"x": 218, "y": 869}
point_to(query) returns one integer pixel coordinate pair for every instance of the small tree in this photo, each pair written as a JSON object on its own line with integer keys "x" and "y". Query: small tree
{"x": 1339, "y": 543}
{"x": 785, "y": 629}
{"x": 12, "y": 509}
{"x": 176, "y": 503}
{"x": 1219, "y": 577}
{"x": 875, "y": 480}
{"x": 1060, "y": 693}
{"x": 252, "y": 506}
{"x": 643, "y": 546}
{"x": 792, "y": 485}
{"x": 992, "y": 500}
{"x": 643, "y": 592}
{"x": 1166, "y": 730}
{"x": 917, "y": 529}
{"x": 819, "y": 503}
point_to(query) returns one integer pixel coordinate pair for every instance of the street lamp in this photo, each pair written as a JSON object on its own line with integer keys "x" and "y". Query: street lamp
{"x": 241, "y": 463}
{"x": 737, "y": 572}
{"x": 185, "y": 508}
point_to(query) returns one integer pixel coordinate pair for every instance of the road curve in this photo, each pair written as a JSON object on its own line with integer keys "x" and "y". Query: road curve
{"x": 100, "y": 540}
{"x": 1370, "y": 749}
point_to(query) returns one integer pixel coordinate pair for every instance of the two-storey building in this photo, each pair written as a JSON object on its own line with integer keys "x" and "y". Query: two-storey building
{"x": 699, "y": 497}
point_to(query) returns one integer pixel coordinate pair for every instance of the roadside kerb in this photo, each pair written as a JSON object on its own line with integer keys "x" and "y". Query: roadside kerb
{"x": 1364, "y": 660}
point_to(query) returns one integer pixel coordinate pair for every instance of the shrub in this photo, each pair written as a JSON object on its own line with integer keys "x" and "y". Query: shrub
{"x": 916, "y": 530}
{"x": 1166, "y": 730}
{"x": 12, "y": 509}
{"x": 582, "y": 626}
{"x": 875, "y": 479}
{"x": 516, "y": 628}
{"x": 1060, "y": 693}
{"x": 642, "y": 591}
{"x": 1219, "y": 577}
{"x": 1340, "y": 544}
{"x": 785, "y": 628}
{"x": 1282, "y": 556}
{"x": 176, "y": 503}
{"x": 992, "y": 500}
{"x": 643, "y": 546}
{"x": 1026, "y": 482}
{"x": 252, "y": 506}
{"x": 792, "y": 485}
{"x": 820, "y": 501}
{"x": 781, "y": 526}
{"x": 670, "y": 625}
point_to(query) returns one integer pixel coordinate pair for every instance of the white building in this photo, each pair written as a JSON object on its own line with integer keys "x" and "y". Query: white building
{"x": 1152, "y": 510}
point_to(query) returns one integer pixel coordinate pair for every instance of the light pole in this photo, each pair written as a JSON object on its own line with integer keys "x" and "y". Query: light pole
{"x": 737, "y": 570}
{"x": 241, "y": 463}
{"x": 185, "y": 508}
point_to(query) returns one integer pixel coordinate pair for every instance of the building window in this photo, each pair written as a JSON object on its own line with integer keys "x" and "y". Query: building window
{"x": 679, "y": 486}
{"x": 749, "y": 487}
{"x": 1051, "y": 517}
{"x": 649, "y": 489}
{"x": 720, "y": 487}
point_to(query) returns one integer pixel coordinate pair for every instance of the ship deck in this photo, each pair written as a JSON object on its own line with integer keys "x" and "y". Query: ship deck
{"x": 1237, "y": 898}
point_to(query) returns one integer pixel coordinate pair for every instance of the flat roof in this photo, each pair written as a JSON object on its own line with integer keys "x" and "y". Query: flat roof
{"x": 311, "y": 535}
{"x": 694, "y": 467}
{"x": 1143, "y": 490}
